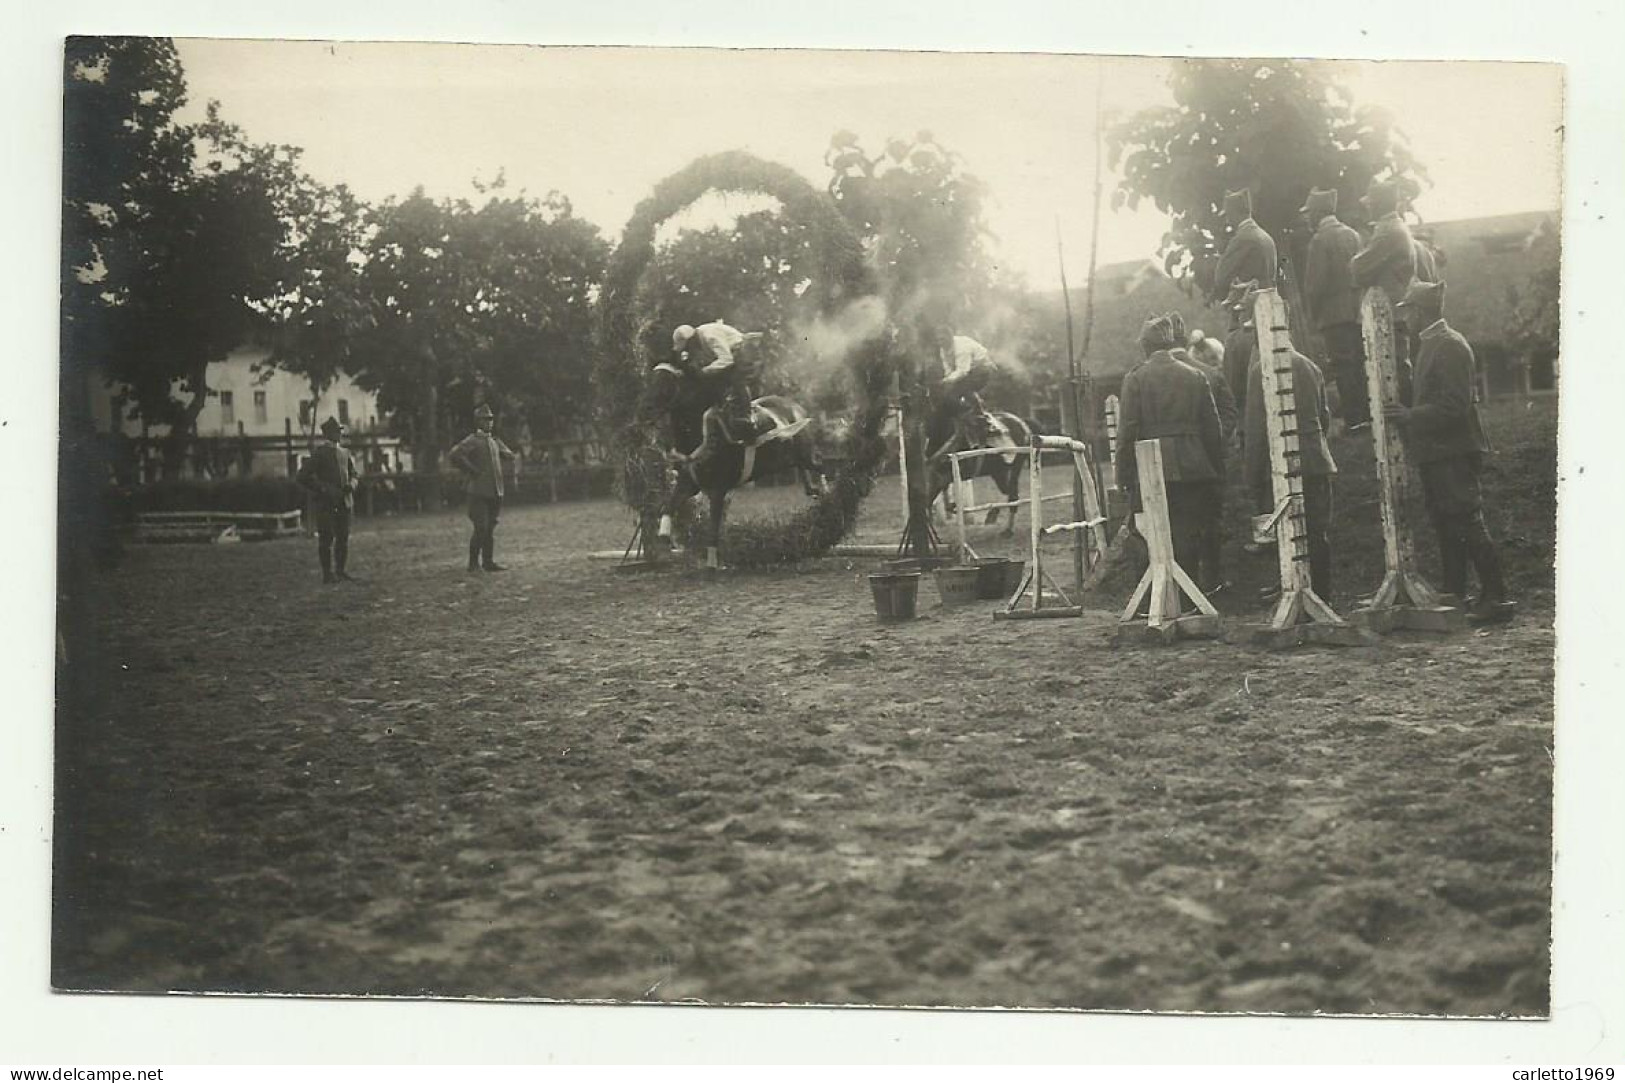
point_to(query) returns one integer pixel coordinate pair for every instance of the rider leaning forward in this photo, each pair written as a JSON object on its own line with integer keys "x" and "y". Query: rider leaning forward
{"x": 961, "y": 369}
{"x": 726, "y": 357}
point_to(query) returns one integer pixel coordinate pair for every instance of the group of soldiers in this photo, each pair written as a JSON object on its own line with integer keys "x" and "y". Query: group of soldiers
{"x": 1185, "y": 394}
{"x": 331, "y": 476}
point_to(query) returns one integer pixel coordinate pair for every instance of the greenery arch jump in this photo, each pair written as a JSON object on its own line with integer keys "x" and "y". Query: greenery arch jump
{"x": 840, "y": 276}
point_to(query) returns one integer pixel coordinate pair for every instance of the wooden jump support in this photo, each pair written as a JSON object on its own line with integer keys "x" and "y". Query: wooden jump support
{"x": 1300, "y": 615}
{"x": 1405, "y": 599}
{"x": 1110, "y": 470}
{"x": 1093, "y": 528}
{"x": 1164, "y": 579}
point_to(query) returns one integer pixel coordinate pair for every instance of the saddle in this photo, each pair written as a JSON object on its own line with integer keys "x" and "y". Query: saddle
{"x": 764, "y": 426}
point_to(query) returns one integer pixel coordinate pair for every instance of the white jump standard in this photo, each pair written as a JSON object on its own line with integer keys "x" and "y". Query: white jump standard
{"x": 1405, "y": 599}
{"x": 1300, "y": 615}
{"x": 1034, "y": 579}
{"x": 1164, "y": 579}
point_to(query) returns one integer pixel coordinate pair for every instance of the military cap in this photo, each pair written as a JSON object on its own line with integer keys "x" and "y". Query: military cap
{"x": 1158, "y": 334}
{"x": 1424, "y": 295}
{"x": 1321, "y": 202}
{"x": 332, "y": 427}
{"x": 1238, "y": 204}
{"x": 1381, "y": 197}
{"x": 483, "y": 410}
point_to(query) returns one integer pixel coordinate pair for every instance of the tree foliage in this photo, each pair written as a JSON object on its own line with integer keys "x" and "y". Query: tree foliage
{"x": 1275, "y": 127}
{"x": 919, "y": 214}
{"x": 171, "y": 232}
{"x": 479, "y": 304}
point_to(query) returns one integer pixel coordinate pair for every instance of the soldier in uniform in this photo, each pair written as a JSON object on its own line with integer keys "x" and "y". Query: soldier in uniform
{"x": 1333, "y": 301}
{"x": 480, "y": 457}
{"x": 1166, "y": 400}
{"x": 1209, "y": 572}
{"x": 1445, "y": 438}
{"x": 1250, "y": 253}
{"x": 1388, "y": 261}
{"x": 1311, "y": 419}
{"x": 725, "y": 356}
{"x": 330, "y": 474}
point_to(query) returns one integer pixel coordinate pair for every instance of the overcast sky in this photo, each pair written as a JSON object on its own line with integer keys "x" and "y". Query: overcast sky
{"x": 604, "y": 125}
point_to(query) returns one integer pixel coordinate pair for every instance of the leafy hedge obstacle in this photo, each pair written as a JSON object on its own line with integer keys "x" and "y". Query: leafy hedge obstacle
{"x": 630, "y": 343}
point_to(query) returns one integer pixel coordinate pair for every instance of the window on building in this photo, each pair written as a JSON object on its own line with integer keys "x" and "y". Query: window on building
{"x": 305, "y": 408}
{"x": 228, "y": 410}
{"x": 262, "y": 413}
{"x": 344, "y": 411}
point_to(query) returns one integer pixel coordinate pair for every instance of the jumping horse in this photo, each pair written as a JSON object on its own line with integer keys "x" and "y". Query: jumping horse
{"x": 783, "y": 442}
{"x": 988, "y": 429}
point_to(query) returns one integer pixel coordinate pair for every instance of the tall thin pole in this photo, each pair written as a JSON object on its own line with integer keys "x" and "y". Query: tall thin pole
{"x": 1069, "y": 422}
{"x": 1066, "y": 297}
{"x": 1094, "y": 228}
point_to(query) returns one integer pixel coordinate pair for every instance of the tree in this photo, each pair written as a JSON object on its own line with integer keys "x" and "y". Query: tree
{"x": 1276, "y": 127}
{"x": 171, "y": 232}
{"x": 920, "y": 217}
{"x": 320, "y": 313}
{"x": 217, "y": 243}
{"x": 754, "y": 276}
{"x": 121, "y": 151}
{"x": 489, "y": 304}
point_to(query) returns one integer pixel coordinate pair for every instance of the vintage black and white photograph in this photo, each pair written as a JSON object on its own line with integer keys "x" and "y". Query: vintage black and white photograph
{"x": 746, "y": 526}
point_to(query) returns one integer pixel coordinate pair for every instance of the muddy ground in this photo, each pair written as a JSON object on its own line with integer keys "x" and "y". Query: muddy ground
{"x": 562, "y": 782}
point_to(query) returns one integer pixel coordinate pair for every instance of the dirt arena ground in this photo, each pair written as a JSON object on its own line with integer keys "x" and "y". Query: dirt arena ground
{"x": 564, "y": 783}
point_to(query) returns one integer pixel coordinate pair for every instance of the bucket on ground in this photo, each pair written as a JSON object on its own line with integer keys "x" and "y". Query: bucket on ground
{"x": 957, "y": 586}
{"x": 896, "y": 594}
{"x": 1013, "y": 571}
{"x": 991, "y": 578}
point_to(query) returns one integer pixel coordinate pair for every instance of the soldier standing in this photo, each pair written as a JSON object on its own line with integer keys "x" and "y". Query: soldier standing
{"x": 480, "y": 457}
{"x": 1388, "y": 262}
{"x": 330, "y": 473}
{"x": 1251, "y": 251}
{"x": 1209, "y": 573}
{"x": 1445, "y": 438}
{"x": 1166, "y": 400}
{"x": 1333, "y": 301}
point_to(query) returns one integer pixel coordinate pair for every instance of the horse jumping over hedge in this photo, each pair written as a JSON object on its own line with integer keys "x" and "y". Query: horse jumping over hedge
{"x": 784, "y": 443}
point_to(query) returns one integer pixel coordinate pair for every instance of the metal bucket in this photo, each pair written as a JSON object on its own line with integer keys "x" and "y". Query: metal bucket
{"x": 957, "y": 586}
{"x": 992, "y": 574}
{"x": 896, "y": 594}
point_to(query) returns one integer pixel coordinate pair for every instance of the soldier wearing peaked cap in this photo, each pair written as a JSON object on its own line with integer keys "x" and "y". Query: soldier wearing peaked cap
{"x": 1388, "y": 261}
{"x": 1333, "y": 301}
{"x": 481, "y": 458}
{"x": 1209, "y": 571}
{"x": 1445, "y": 438}
{"x": 330, "y": 474}
{"x": 1251, "y": 251}
{"x": 1168, "y": 401}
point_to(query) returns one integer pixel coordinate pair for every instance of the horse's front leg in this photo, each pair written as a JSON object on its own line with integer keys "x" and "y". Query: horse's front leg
{"x": 1013, "y": 494}
{"x": 718, "y": 502}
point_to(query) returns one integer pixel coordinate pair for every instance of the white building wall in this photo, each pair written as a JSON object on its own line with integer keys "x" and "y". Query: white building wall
{"x": 255, "y": 403}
